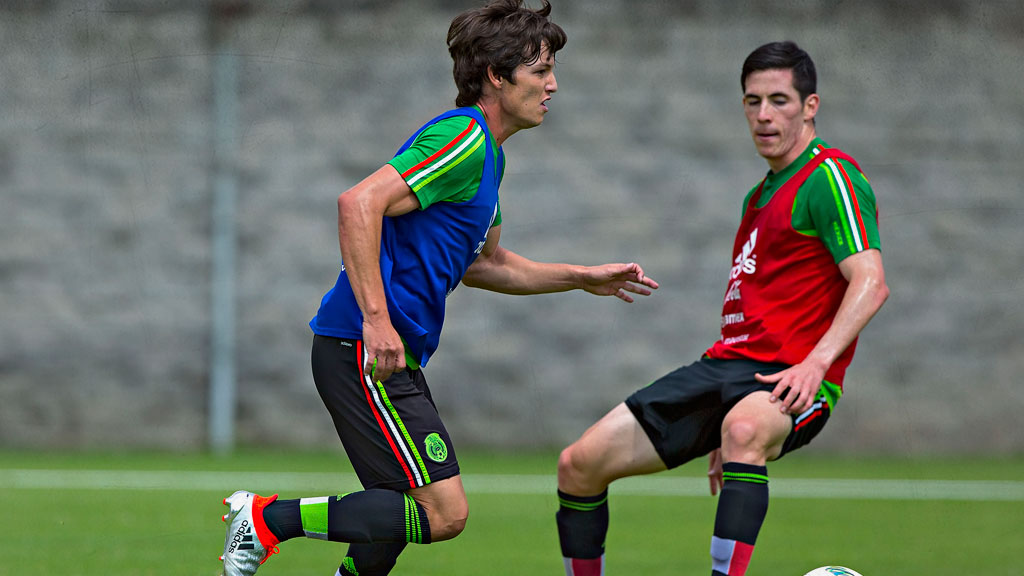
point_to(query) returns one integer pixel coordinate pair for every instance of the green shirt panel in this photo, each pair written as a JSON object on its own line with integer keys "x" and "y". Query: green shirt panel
{"x": 453, "y": 175}
{"x": 824, "y": 208}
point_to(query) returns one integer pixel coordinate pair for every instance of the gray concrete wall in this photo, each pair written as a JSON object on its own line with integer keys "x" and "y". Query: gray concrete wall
{"x": 105, "y": 193}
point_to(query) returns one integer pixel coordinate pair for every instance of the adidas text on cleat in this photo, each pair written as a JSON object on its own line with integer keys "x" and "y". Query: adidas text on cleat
{"x": 249, "y": 542}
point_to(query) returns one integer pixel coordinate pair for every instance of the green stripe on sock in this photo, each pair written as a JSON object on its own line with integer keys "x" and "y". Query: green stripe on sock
{"x": 413, "y": 528}
{"x": 408, "y": 531}
{"x": 410, "y": 520}
{"x": 744, "y": 477}
{"x": 313, "y": 512}
{"x": 419, "y": 525}
{"x": 582, "y": 506}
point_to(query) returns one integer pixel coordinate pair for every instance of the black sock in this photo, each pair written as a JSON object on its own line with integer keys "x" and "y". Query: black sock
{"x": 582, "y": 526}
{"x": 370, "y": 516}
{"x": 371, "y": 559}
{"x": 742, "y": 506}
{"x": 283, "y": 519}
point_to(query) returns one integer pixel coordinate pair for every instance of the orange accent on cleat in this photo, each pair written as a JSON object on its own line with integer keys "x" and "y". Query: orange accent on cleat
{"x": 270, "y": 552}
{"x": 267, "y": 538}
{"x": 249, "y": 542}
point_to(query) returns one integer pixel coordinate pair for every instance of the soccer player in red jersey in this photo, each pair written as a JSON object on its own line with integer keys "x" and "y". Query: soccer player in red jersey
{"x": 805, "y": 279}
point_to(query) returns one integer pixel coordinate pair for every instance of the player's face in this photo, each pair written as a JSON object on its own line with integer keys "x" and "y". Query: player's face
{"x": 525, "y": 102}
{"x": 781, "y": 125}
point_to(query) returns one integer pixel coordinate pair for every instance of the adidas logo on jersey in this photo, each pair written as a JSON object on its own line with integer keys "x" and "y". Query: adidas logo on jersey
{"x": 746, "y": 261}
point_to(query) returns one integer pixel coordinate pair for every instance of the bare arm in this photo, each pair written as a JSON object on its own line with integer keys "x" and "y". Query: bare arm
{"x": 864, "y": 296}
{"x": 361, "y": 210}
{"x": 500, "y": 270}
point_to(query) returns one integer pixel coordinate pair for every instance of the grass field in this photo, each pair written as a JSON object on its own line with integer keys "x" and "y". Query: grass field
{"x": 159, "y": 514}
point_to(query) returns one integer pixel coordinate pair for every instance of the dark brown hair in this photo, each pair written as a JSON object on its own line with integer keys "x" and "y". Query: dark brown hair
{"x": 783, "y": 56}
{"x": 501, "y": 36}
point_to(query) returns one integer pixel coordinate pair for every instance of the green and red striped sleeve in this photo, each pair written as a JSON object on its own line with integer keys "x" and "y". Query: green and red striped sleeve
{"x": 837, "y": 204}
{"x": 843, "y": 209}
{"x": 445, "y": 162}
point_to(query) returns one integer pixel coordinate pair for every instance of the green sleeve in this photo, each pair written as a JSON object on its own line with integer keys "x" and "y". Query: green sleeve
{"x": 445, "y": 162}
{"x": 837, "y": 204}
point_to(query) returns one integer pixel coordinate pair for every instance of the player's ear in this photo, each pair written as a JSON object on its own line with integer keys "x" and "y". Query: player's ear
{"x": 493, "y": 79}
{"x": 811, "y": 107}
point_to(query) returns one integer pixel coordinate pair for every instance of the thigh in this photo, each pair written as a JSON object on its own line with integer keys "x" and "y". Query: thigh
{"x": 779, "y": 433}
{"x": 614, "y": 447}
{"x": 683, "y": 411}
{"x": 391, "y": 430}
{"x": 754, "y": 430}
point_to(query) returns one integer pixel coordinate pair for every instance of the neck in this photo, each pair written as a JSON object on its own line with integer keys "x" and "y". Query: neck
{"x": 496, "y": 123}
{"x": 778, "y": 164}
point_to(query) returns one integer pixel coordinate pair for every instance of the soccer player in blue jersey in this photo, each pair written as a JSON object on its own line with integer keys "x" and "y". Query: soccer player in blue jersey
{"x": 409, "y": 234}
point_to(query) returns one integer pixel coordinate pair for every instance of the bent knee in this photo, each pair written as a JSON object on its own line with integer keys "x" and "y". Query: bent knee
{"x": 579, "y": 474}
{"x": 743, "y": 440}
{"x": 448, "y": 529}
{"x": 449, "y": 523}
{"x": 572, "y": 465}
{"x": 740, "y": 433}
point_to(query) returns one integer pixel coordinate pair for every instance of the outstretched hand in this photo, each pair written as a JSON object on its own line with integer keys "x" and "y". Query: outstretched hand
{"x": 617, "y": 280}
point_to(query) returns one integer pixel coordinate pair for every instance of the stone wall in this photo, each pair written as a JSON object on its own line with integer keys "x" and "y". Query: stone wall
{"x": 105, "y": 219}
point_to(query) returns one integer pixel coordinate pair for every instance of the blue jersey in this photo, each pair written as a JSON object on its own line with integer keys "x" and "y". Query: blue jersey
{"x": 423, "y": 256}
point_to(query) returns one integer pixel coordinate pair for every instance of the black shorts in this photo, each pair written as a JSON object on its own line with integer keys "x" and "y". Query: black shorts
{"x": 682, "y": 412}
{"x": 391, "y": 431}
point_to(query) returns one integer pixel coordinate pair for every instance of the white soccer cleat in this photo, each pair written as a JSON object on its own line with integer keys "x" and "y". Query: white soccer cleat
{"x": 249, "y": 542}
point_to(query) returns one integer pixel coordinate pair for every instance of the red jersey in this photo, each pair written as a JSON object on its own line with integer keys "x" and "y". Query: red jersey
{"x": 784, "y": 287}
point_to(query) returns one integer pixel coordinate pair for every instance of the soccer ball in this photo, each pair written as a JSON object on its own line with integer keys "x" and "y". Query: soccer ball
{"x": 832, "y": 571}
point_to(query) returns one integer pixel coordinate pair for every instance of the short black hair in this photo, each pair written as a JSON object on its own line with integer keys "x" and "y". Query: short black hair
{"x": 783, "y": 56}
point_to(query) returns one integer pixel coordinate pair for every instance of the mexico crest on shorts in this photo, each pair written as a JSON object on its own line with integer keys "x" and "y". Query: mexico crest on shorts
{"x": 436, "y": 449}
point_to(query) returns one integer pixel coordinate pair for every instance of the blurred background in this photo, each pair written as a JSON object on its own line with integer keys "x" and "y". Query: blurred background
{"x": 169, "y": 170}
